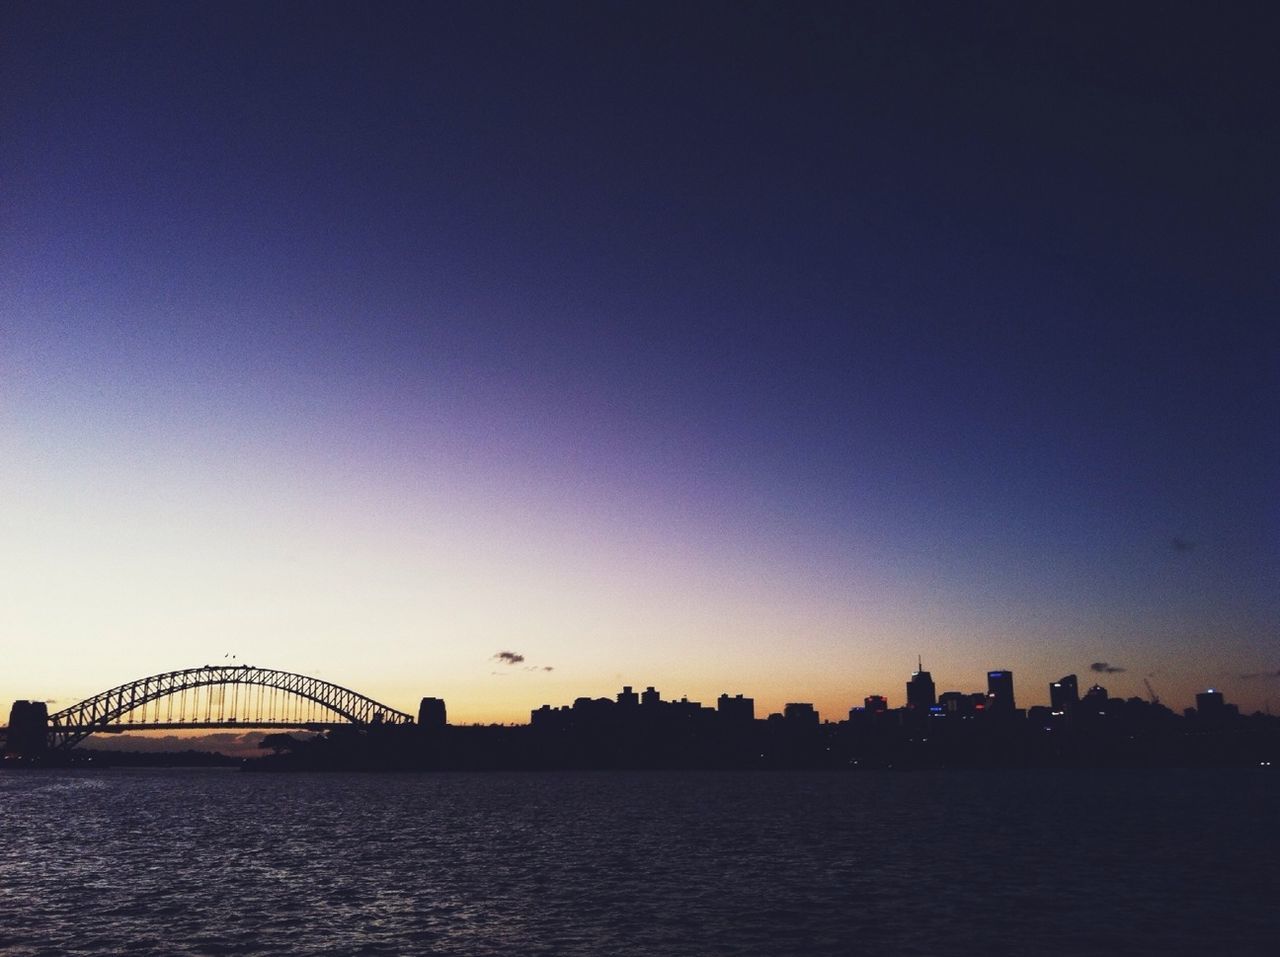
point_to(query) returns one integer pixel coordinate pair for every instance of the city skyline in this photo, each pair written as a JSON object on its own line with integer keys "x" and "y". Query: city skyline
{"x": 715, "y": 349}
{"x": 921, "y": 693}
{"x": 241, "y": 711}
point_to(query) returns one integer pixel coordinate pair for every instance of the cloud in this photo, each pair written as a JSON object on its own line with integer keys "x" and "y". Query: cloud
{"x": 513, "y": 658}
{"x": 1253, "y": 675}
{"x": 1181, "y": 545}
{"x": 1103, "y": 668}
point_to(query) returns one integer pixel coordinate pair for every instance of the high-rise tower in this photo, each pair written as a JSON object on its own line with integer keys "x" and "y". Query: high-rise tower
{"x": 1064, "y": 694}
{"x": 1000, "y": 692}
{"x": 920, "y": 690}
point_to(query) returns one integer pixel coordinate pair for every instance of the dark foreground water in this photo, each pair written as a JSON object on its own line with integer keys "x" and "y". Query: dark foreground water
{"x": 171, "y": 862}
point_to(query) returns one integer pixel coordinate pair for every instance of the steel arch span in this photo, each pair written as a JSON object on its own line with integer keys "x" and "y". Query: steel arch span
{"x": 103, "y": 711}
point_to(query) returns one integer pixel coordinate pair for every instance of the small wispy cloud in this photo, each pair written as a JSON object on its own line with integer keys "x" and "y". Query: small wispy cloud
{"x": 1181, "y": 545}
{"x": 1254, "y": 675}
{"x": 1105, "y": 668}
{"x": 513, "y": 658}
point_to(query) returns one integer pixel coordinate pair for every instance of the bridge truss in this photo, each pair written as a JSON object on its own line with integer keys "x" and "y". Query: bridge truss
{"x": 228, "y": 696}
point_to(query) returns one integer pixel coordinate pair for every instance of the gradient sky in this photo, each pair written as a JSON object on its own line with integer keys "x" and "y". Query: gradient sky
{"x": 737, "y": 348}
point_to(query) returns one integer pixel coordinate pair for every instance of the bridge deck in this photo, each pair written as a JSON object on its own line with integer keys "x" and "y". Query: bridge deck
{"x": 199, "y": 726}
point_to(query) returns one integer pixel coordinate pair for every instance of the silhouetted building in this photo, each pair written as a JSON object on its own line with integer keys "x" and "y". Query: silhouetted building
{"x": 956, "y": 702}
{"x": 920, "y": 690}
{"x": 431, "y": 713}
{"x": 548, "y": 717}
{"x": 650, "y": 697}
{"x": 962, "y": 703}
{"x": 736, "y": 708}
{"x": 593, "y": 708}
{"x": 628, "y": 698}
{"x": 1064, "y": 694}
{"x": 1000, "y": 692}
{"x": 1097, "y": 703}
{"x": 686, "y": 707}
{"x": 28, "y": 728}
{"x": 1041, "y": 717}
{"x": 876, "y": 704}
{"x": 799, "y": 712}
{"x": 1210, "y": 704}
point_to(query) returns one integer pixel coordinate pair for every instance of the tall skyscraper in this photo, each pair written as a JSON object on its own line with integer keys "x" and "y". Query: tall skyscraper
{"x": 1000, "y": 691}
{"x": 920, "y": 691}
{"x": 1064, "y": 694}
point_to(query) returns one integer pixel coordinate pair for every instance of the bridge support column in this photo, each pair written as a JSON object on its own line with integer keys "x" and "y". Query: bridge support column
{"x": 28, "y": 729}
{"x": 431, "y": 714}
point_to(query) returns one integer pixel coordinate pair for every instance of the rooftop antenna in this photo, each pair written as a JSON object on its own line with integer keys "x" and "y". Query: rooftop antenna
{"x": 919, "y": 664}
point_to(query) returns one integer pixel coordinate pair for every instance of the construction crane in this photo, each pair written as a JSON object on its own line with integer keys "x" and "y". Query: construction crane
{"x": 1155, "y": 698}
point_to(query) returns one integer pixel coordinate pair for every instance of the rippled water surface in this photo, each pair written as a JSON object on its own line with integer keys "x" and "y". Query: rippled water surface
{"x": 219, "y": 862}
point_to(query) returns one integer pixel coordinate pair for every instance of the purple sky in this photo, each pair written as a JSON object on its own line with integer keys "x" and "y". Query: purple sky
{"x": 725, "y": 349}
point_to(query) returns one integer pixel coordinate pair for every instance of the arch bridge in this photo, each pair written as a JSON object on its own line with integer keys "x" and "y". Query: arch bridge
{"x": 227, "y": 696}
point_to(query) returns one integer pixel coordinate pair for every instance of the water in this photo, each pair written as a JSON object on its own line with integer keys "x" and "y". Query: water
{"x": 209, "y": 862}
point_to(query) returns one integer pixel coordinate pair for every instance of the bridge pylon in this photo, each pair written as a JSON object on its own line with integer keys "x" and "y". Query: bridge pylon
{"x": 28, "y": 734}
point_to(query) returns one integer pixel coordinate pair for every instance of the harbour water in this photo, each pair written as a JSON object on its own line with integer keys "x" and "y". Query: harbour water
{"x": 215, "y": 862}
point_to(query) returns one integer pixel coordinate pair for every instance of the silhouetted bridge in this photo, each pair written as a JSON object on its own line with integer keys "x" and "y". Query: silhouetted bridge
{"x": 227, "y": 696}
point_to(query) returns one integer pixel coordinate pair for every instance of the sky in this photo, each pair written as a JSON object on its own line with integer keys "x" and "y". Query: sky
{"x": 743, "y": 347}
